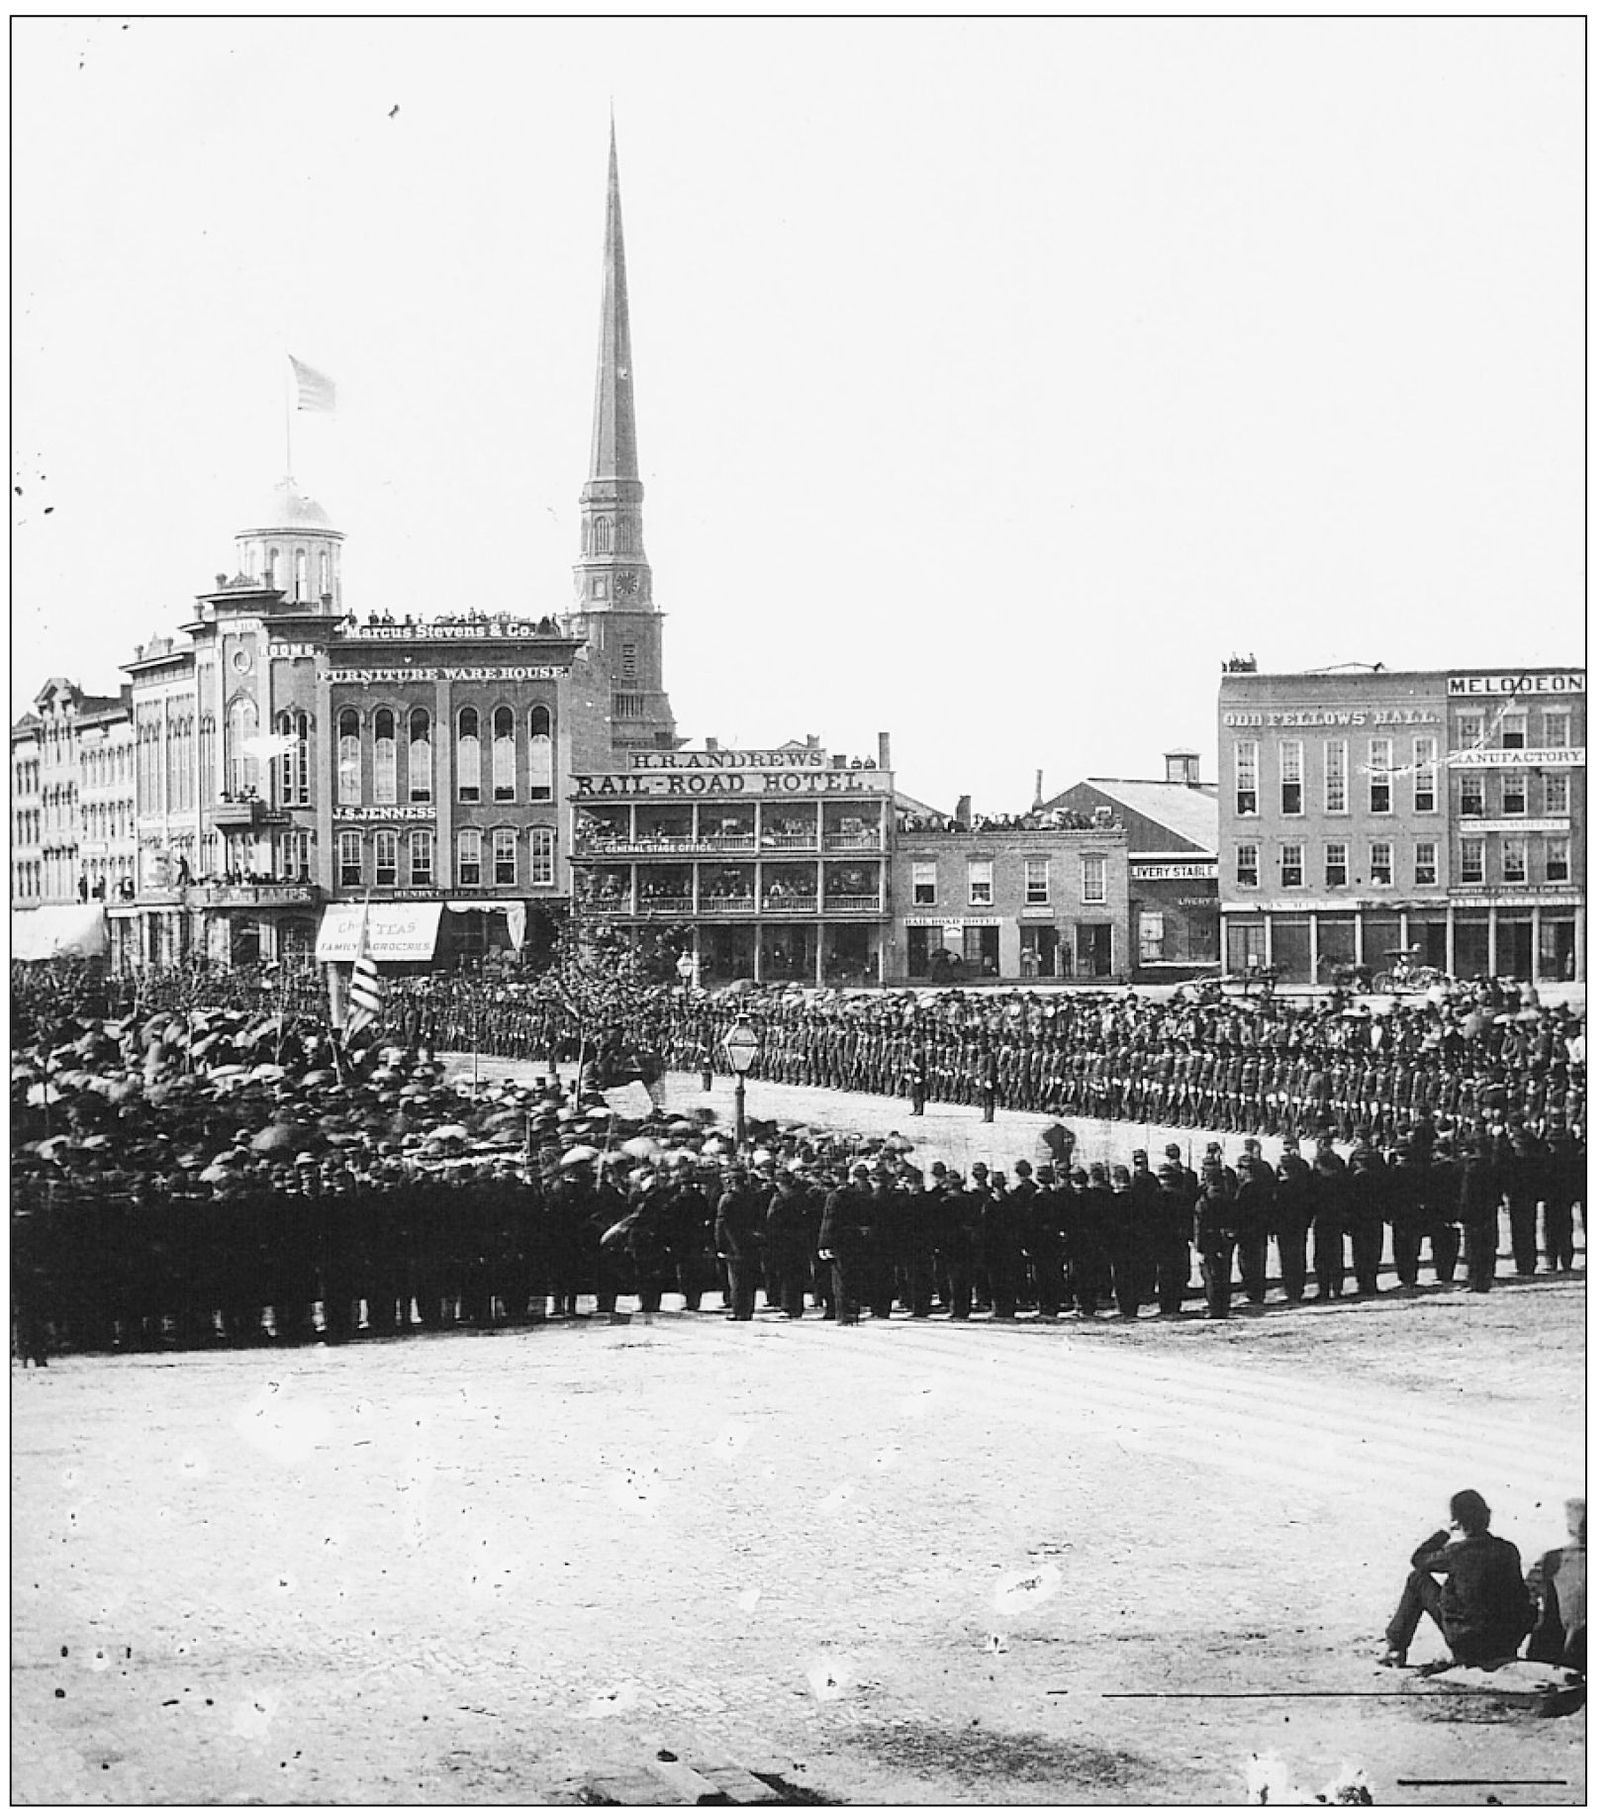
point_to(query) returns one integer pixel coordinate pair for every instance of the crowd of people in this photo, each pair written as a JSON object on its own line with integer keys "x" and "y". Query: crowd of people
{"x": 193, "y": 1173}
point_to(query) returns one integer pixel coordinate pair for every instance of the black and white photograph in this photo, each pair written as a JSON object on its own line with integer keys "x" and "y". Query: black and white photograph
{"x": 683, "y": 683}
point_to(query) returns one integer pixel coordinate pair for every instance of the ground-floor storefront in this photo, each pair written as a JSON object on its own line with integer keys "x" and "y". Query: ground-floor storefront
{"x": 1537, "y": 940}
{"x": 809, "y": 951}
{"x": 955, "y": 950}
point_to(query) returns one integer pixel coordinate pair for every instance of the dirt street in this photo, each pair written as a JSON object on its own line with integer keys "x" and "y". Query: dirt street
{"x": 905, "y": 1561}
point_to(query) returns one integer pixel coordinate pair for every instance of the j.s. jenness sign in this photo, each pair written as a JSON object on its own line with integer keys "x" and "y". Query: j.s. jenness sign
{"x": 1516, "y": 684}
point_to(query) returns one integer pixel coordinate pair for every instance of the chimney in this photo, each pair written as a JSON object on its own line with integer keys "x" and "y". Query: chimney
{"x": 963, "y": 810}
{"x": 1039, "y": 789}
{"x": 712, "y": 744}
{"x": 885, "y": 758}
{"x": 812, "y": 741}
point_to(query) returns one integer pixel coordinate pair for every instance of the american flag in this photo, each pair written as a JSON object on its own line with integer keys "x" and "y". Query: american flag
{"x": 315, "y": 393}
{"x": 363, "y": 995}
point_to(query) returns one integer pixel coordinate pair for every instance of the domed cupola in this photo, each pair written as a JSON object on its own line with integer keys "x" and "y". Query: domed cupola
{"x": 294, "y": 547}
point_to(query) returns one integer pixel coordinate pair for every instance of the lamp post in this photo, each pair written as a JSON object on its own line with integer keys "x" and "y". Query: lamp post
{"x": 741, "y": 1046}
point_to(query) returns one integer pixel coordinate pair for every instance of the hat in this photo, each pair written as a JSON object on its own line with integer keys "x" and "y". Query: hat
{"x": 980, "y": 1168}
{"x": 1024, "y": 1168}
{"x": 1172, "y": 1149}
{"x": 307, "y": 1159}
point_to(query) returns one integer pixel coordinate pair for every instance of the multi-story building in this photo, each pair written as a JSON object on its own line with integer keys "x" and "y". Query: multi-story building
{"x": 286, "y": 768}
{"x": 763, "y": 864}
{"x": 1014, "y": 903}
{"x": 1363, "y": 812}
{"x": 1172, "y": 826}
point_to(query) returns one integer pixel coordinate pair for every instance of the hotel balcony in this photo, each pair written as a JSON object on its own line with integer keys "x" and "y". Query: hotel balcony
{"x": 852, "y": 904}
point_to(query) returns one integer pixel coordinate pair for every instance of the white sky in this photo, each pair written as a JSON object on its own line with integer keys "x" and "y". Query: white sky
{"x": 995, "y": 380}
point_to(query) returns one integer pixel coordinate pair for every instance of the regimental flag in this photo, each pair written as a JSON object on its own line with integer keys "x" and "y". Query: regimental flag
{"x": 363, "y": 996}
{"x": 315, "y": 393}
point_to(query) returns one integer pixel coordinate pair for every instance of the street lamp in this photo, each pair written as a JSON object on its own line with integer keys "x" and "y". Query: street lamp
{"x": 741, "y": 1046}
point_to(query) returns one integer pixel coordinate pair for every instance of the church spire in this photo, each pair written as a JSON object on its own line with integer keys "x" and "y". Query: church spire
{"x": 614, "y": 413}
{"x": 612, "y": 572}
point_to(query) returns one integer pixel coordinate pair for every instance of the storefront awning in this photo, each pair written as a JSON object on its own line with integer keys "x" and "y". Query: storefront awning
{"x": 397, "y": 932}
{"x": 513, "y": 915}
{"x": 78, "y": 929}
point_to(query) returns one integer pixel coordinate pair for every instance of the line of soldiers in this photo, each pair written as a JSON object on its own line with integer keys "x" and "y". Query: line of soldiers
{"x": 106, "y": 1260}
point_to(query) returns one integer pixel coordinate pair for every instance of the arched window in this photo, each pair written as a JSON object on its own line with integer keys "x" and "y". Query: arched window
{"x": 503, "y": 755}
{"x": 299, "y": 589}
{"x": 469, "y": 756}
{"x": 273, "y": 568}
{"x": 541, "y": 754}
{"x": 348, "y": 761}
{"x": 419, "y": 757}
{"x": 239, "y": 732}
{"x": 294, "y": 727}
{"x": 385, "y": 757}
{"x": 602, "y": 539}
{"x": 324, "y": 572}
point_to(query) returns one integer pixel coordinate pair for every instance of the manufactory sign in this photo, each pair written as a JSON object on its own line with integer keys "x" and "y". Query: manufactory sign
{"x": 750, "y": 783}
{"x": 1519, "y": 756}
{"x": 1154, "y": 870}
{"x": 1517, "y": 684}
{"x": 404, "y": 675}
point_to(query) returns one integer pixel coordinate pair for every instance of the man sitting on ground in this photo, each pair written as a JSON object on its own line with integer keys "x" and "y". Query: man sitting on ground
{"x": 1482, "y": 1606}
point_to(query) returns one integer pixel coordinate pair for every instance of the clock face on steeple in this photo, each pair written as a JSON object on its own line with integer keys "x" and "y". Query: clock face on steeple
{"x": 625, "y": 584}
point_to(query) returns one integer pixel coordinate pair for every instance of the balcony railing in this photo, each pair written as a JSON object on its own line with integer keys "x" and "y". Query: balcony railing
{"x": 668, "y": 904}
{"x": 791, "y": 839}
{"x": 858, "y": 839}
{"x": 851, "y": 904}
{"x": 796, "y": 903}
{"x": 239, "y": 813}
{"x": 727, "y": 907}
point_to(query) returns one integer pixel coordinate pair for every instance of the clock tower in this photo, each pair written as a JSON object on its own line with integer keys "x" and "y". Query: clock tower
{"x": 614, "y": 585}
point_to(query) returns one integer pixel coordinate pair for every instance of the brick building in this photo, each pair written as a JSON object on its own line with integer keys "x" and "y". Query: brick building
{"x": 1363, "y": 811}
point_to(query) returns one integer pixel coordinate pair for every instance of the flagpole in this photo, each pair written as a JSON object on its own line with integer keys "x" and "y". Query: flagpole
{"x": 290, "y": 378}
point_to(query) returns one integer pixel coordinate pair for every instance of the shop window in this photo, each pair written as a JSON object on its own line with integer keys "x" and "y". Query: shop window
{"x": 1151, "y": 936}
{"x": 1556, "y": 857}
{"x": 348, "y": 764}
{"x": 1094, "y": 874}
{"x": 1424, "y": 863}
{"x": 1335, "y": 776}
{"x": 1245, "y": 778}
{"x": 1513, "y": 860}
{"x": 350, "y": 845}
{"x": 1290, "y": 778}
{"x": 1290, "y": 864}
{"x": 1379, "y": 863}
{"x": 1246, "y": 864}
{"x": 541, "y": 754}
{"x": 1036, "y": 881}
{"x": 980, "y": 882}
{"x": 469, "y": 756}
{"x": 1335, "y": 863}
{"x": 1471, "y": 861}
{"x": 503, "y": 846}
{"x": 924, "y": 882}
{"x": 469, "y": 857}
{"x": 385, "y": 757}
{"x": 503, "y": 756}
{"x": 385, "y": 857}
{"x": 542, "y": 857}
{"x": 421, "y": 858}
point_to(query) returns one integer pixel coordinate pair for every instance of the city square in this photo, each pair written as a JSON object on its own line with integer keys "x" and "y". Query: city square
{"x": 579, "y": 1232}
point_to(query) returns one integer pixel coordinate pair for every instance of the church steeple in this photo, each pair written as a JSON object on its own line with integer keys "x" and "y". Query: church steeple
{"x": 614, "y": 586}
{"x": 612, "y": 569}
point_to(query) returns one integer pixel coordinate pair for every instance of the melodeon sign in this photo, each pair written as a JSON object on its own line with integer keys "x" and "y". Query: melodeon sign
{"x": 1516, "y": 684}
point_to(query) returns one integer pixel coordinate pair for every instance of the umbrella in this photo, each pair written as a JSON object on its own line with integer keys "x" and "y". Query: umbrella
{"x": 714, "y": 1146}
{"x": 600, "y": 1112}
{"x": 268, "y": 1071}
{"x": 274, "y": 1137}
{"x": 900, "y": 1145}
{"x": 641, "y": 1146}
{"x": 582, "y": 1152}
{"x": 443, "y": 1132}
